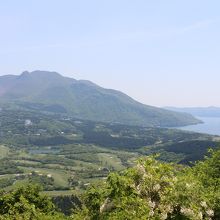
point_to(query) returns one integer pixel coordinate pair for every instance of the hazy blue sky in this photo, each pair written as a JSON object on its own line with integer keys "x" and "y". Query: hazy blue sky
{"x": 160, "y": 52}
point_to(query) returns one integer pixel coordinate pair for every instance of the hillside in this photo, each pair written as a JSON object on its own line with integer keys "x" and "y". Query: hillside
{"x": 56, "y": 148}
{"x": 49, "y": 91}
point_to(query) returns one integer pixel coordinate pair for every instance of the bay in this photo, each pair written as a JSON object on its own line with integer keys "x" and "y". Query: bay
{"x": 211, "y": 125}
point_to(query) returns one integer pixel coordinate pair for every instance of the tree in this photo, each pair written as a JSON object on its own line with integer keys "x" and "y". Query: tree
{"x": 208, "y": 173}
{"x": 153, "y": 190}
{"x": 27, "y": 203}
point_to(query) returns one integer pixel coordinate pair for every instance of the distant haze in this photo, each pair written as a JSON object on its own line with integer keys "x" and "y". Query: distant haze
{"x": 162, "y": 53}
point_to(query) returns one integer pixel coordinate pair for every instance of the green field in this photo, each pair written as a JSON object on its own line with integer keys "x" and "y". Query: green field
{"x": 63, "y": 154}
{"x": 4, "y": 151}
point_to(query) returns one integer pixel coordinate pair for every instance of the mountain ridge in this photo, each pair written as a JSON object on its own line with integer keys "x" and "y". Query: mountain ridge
{"x": 50, "y": 91}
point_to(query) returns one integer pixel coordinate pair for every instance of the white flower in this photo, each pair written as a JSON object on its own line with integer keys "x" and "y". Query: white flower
{"x": 156, "y": 187}
{"x": 188, "y": 185}
{"x": 163, "y": 216}
{"x": 141, "y": 168}
{"x": 138, "y": 188}
{"x": 106, "y": 206}
{"x": 210, "y": 212}
{"x": 168, "y": 209}
{"x": 186, "y": 211}
{"x": 200, "y": 215}
{"x": 203, "y": 204}
{"x": 152, "y": 204}
{"x": 175, "y": 179}
{"x": 151, "y": 213}
{"x": 147, "y": 175}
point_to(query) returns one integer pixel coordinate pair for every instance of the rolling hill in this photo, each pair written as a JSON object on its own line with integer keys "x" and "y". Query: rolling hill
{"x": 50, "y": 91}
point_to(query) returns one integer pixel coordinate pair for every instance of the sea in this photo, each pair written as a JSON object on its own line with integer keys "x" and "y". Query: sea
{"x": 211, "y": 126}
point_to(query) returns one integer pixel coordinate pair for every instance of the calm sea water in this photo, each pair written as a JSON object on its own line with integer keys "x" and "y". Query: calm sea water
{"x": 211, "y": 126}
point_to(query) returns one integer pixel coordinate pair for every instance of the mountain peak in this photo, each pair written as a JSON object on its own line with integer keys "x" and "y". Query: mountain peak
{"x": 24, "y": 74}
{"x": 46, "y": 90}
{"x": 44, "y": 73}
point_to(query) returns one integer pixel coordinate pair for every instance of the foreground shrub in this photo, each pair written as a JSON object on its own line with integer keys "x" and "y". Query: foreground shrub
{"x": 27, "y": 203}
{"x": 156, "y": 190}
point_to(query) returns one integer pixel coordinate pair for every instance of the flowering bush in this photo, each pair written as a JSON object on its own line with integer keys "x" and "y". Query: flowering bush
{"x": 156, "y": 190}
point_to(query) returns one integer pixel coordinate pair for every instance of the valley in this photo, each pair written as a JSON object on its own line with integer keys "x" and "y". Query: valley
{"x": 109, "y": 110}
{"x": 65, "y": 154}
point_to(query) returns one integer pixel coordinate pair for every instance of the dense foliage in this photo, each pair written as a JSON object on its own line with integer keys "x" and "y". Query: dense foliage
{"x": 150, "y": 190}
{"x": 155, "y": 190}
{"x": 22, "y": 128}
{"x": 27, "y": 203}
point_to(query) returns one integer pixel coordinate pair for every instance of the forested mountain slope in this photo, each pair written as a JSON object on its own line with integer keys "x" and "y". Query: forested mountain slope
{"x": 49, "y": 91}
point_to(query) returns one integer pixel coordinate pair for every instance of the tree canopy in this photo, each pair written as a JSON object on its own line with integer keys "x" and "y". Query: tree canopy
{"x": 156, "y": 190}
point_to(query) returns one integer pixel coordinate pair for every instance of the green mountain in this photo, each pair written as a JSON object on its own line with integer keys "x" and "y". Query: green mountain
{"x": 50, "y": 91}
